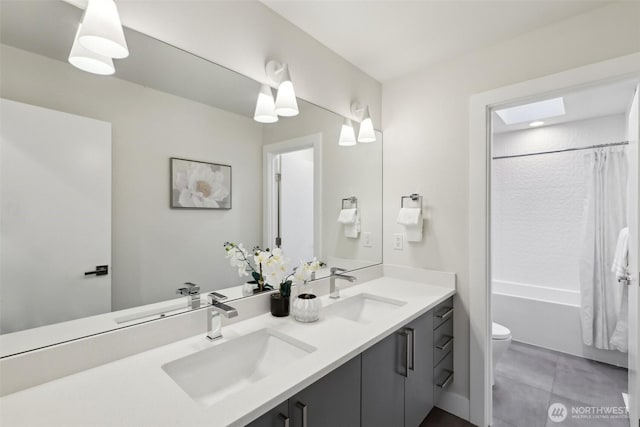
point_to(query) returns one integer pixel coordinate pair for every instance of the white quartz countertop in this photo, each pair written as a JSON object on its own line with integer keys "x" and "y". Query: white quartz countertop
{"x": 136, "y": 391}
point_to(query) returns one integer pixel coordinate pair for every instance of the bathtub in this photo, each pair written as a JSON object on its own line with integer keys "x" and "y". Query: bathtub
{"x": 546, "y": 317}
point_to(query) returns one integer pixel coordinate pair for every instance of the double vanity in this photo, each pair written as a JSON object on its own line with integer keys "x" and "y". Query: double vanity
{"x": 379, "y": 356}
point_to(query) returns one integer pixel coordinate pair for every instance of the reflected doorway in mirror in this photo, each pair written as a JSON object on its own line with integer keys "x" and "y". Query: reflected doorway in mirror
{"x": 200, "y": 185}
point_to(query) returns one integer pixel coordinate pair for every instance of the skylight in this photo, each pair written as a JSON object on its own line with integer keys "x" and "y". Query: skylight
{"x": 532, "y": 112}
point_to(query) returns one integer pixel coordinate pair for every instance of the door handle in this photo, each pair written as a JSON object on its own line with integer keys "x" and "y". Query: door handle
{"x": 101, "y": 270}
{"x": 285, "y": 420}
{"x": 303, "y": 408}
{"x": 405, "y": 334}
{"x": 413, "y": 348}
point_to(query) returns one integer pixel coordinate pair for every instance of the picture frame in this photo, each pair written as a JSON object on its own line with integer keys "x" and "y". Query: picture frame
{"x": 197, "y": 184}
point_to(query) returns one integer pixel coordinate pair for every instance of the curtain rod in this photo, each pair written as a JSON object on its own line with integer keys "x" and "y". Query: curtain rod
{"x": 562, "y": 151}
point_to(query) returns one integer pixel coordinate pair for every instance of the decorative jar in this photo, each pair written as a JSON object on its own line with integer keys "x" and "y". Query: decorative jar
{"x": 306, "y": 308}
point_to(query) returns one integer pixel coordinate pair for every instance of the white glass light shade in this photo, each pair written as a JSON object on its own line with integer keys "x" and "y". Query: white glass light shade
{"x": 286, "y": 102}
{"x": 265, "y": 106}
{"x": 347, "y": 135}
{"x": 82, "y": 58}
{"x": 102, "y": 31}
{"x": 366, "y": 132}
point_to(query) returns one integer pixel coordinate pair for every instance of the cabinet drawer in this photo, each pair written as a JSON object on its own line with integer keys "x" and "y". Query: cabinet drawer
{"x": 442, "y": 341}
{"x": 443, "y": 376}
{"x": 442, "y": 312}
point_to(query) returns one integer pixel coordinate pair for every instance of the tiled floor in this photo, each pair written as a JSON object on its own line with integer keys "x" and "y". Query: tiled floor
{"x": 529, "y": 379}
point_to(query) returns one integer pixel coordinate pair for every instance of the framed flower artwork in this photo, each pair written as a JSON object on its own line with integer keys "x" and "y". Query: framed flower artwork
{"x": 200, "y": 185}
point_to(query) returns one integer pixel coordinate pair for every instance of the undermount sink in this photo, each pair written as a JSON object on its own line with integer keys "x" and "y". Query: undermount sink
{"x": 363, "y": 308}
{"x": 212, "y": 374}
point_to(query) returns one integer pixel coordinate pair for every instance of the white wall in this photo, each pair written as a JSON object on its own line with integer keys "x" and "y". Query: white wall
{"x": 243, "y": 35}
{"x": 426, "y": 136}
{"x": 155, "y": 249}
{"x": 538, "y": 201}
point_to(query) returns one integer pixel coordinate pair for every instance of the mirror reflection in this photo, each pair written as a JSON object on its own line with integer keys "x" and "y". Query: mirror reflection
{"x": 117, "y": 190}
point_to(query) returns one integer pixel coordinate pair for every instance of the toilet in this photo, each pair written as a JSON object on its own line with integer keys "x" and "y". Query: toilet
{"x": 500, "y": 341}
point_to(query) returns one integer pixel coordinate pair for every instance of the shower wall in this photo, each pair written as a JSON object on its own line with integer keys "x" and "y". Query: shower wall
{"x": 537, "y": 219}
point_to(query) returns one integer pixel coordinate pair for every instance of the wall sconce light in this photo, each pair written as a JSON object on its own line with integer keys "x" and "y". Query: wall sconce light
{"x": 101, "y": 31}
{"x": 347, "y": 135}
{"x": 366, "y": 133}
{"x": 265, "y": 106}
{"x": 286, "y": 104}
{"x": 86, "y": 60}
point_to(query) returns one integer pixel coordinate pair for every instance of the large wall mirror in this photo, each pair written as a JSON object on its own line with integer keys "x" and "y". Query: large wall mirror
{"x": 87, "y": 180}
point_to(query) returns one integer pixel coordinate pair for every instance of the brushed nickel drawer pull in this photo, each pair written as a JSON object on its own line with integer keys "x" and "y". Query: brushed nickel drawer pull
{"x": 285, "y": 420}
{"x": 446, "y": 314}
{"x": 303, "y": 408}
{"x": 413, "y": 348}
{"x": 445, "y": 344}
{"x": 405, "y": 334}
{"x": 447, "y": 380}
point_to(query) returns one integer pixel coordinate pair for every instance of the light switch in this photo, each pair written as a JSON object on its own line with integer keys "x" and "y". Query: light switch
{"x": 398, "y": 241}
{"x": 367, "y": 239}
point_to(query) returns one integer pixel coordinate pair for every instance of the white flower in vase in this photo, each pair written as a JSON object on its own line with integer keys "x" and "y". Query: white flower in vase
{"x": 301, "y": 274}
{"x": 314, "y": 265}
{"x": 277, "y": 256}
{"x": 276, "y": 270}
{"x": 261, "y": 257}
{"x": 237, "y": 256}
{"x": 242, "y": 272}
{"x": 306, "y": 270}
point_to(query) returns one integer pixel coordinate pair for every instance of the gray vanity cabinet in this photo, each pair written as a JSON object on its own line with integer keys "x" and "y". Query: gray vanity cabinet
{"x": 333, "y": 400}
{"x": 397, "y": 377}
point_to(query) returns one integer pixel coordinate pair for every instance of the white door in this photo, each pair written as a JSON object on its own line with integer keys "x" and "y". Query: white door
{"x": 296, "y": 199}
{"x": 296, "y": 204}
{"x": 634, "y": 261}
{"x": 55, "y": 216}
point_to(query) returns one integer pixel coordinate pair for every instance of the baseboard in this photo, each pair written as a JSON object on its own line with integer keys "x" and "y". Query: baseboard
{"x": 454, "y": 404}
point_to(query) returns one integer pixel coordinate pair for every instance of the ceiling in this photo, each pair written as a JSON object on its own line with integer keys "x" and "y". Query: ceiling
{"x": 587, "y": 103}
{"x": 391, "y": 38}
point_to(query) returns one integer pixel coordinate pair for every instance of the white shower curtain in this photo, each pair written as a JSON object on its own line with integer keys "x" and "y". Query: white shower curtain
{"x": 603, "y": 306}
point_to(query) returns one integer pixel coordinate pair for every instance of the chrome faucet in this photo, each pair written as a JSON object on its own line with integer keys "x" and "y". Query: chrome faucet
{"x": 217, "y": 307}
{"x": 192, "y": 292}
{"x": 334, "y": 292}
